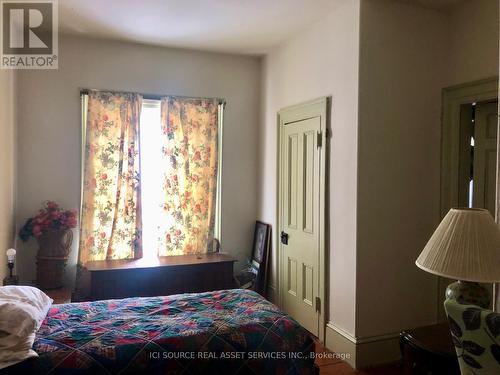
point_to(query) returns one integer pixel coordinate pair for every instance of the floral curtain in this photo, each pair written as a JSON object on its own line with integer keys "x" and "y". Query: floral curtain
{"x": 189, "y": 172}
{"x": 111, "y": 208}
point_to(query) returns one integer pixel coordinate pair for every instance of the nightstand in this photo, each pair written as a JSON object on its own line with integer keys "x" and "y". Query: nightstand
{"x": 60, "y": 295}
{"x": 428, "y": 351}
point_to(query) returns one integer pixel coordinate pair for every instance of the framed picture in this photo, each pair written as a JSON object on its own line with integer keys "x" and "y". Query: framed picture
{"x": 260, "y": 241}
{"x": 260, "y": 256}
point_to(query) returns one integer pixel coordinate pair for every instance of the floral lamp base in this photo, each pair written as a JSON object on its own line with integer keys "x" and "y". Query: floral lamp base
{"x": 469, "y": 293}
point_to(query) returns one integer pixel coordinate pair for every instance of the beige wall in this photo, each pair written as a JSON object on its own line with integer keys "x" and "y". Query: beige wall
{"x": 473, "y": 30}
{"x": 321, "y": 61}
{"x": 7, "y": 165}
{"x": 49, "y": 125}
{"x": 403, "y": 61}
{"x": 385, "y": 149}
{"x": 408, "y": 54}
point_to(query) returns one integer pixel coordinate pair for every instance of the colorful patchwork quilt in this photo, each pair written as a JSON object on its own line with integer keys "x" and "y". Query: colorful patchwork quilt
{"x": 224, "y": 332}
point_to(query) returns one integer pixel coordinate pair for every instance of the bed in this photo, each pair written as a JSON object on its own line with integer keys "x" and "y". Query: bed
{"x": 223, "y": 332}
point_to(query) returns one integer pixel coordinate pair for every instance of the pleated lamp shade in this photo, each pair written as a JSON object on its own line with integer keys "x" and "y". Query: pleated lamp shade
{"x": 465, "y": 246}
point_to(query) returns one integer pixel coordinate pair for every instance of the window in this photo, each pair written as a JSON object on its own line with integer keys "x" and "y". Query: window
{"x": 150, "y": 136}
{"x": 181, "y": 136}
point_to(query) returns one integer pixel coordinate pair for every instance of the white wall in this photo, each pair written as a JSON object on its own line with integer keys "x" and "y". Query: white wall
{"x": 7, "y": 165}
{"x": 321, "y": 61}
{"x": 49, "y": 125}
{"x": 403, "y": 62}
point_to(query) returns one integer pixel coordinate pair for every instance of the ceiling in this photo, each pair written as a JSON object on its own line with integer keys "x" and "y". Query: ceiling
{"x": 236, "y": 26}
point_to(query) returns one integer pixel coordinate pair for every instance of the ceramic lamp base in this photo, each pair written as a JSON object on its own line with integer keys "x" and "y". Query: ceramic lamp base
{"x": 469, "y": 293}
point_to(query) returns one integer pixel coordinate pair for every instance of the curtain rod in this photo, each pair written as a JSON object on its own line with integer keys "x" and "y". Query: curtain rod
{"x": 84, "y": 91}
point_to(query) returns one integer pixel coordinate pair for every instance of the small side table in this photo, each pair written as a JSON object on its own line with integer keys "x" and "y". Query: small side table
{"x": 61, "y": 295}
{"x": 429, "y": 350}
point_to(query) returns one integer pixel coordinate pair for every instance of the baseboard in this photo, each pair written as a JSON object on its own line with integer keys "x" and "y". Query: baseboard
{"x": 362, "y": 352}
{"x": 337, "y": 341}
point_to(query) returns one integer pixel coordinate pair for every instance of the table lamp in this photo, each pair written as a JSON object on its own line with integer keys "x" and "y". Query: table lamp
{"x": 465, "y": 247}
{"x": 11, "y": 279}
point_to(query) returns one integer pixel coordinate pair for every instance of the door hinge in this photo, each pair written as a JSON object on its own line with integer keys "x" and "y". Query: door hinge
{"x": 318, "y": 304}
{"x": 319, "y": 142}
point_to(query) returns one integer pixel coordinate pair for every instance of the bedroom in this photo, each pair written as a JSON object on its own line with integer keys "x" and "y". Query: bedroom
{"x": 381, "y": 67}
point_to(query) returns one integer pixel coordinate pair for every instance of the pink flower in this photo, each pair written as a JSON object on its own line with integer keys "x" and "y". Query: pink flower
{"x": 105, "y": 117}
{"x": 104, "y": 176}
{"x": 178, "y": 232}
{"x": 168, "y": 237}
{"x": 51, "y": 205}
{"x": 37, "y": 231}
{"x": 103, "y": 234}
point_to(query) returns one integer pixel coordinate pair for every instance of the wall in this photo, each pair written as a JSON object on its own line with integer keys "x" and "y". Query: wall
{"x": 407, "y": 55}
{"x": 321, "y": 61}
{"x": 7, "y": 165}
{"x": 473, "y": 52}
{"x": 401, "y": 77}
{"x": 385, "y": 151}
{"x": 49, "y": 125}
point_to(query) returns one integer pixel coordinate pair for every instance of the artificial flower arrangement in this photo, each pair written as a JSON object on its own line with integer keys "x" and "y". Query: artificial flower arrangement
{"x": 50, "y": 218}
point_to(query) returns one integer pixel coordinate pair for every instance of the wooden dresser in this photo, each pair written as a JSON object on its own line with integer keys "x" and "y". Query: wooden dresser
{"x": 160, "y": 277}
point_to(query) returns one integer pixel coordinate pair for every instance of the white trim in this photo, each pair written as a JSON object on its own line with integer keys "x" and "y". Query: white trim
{"x": 218, "y": 203}
{"x": 360, "y": 340}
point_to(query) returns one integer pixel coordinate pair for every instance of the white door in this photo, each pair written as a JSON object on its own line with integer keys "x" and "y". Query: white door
{"x": 301, "y": 188}
{"x": 485, "y": 156}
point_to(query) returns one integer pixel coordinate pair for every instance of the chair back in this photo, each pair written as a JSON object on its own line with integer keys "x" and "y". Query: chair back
{"x": 476, "y": 335}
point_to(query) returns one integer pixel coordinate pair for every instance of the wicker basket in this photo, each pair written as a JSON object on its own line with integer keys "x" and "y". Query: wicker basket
{"x": 53, "y": 254}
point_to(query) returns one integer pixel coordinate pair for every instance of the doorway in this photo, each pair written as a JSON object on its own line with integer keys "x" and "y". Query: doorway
{"x": 478, "y": 155}
{"x": 302, "y": 145}
{"x": 469, "y": 153}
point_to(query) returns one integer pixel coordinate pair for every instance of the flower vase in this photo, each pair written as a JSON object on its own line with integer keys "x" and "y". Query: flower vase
{"x": 53, "y": 253}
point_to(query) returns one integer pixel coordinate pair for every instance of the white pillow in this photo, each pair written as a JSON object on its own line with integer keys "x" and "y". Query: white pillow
{"x": 14, "y": 349}
{"x": 22, "y": 309}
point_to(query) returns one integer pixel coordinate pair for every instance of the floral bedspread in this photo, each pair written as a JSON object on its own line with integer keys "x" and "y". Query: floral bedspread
{"x": 223, "y": 332}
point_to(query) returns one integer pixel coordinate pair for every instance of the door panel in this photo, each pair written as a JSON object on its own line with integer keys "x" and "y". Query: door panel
{"x": 485, "y": 154}
{"x": 300, "y": 193}
{"x": 293, "y": 181}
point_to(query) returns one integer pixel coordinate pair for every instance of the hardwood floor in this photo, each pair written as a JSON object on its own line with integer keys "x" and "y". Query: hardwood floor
{"x": 332, "y": 366}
